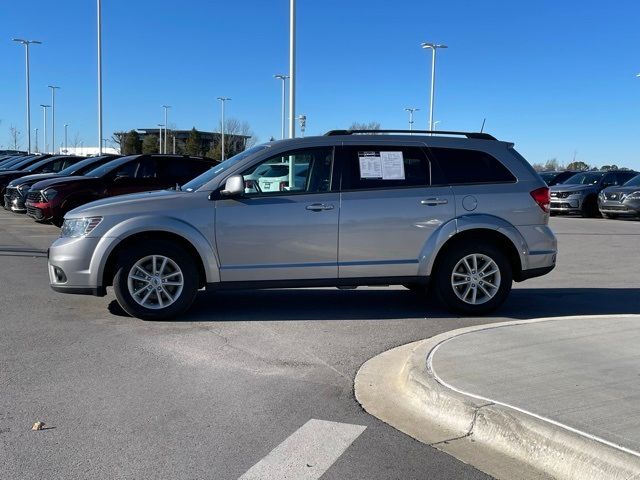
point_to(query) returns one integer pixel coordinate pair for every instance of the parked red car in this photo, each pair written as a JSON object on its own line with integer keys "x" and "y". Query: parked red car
{"x": 51, "y": 199}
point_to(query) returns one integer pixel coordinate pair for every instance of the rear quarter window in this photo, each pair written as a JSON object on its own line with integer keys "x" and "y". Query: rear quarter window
{"x": 462, "y": 166}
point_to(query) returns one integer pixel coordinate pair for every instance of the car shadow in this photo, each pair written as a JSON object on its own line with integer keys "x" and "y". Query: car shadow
{"x": 395, "y": 304}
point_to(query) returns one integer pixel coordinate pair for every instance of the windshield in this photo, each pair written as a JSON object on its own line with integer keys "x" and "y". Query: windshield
{"x": 548, "y": 176}
{"x": 634, "y": 182}
{"x": 107, "y": 167}
{"x": 213, "y": 172}
{"x": 584, "y": 178}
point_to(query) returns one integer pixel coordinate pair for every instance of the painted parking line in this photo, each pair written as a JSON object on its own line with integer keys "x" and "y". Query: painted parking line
{"x": 307, "y": 453}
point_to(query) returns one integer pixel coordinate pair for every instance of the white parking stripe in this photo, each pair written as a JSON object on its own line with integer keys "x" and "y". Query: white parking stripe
{"x": 307, "y": 453}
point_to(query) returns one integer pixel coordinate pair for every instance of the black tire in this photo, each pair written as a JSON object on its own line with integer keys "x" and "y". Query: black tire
{"x": 445, "y": 269}
{"x": 130, "y": 256}
{"x": 590, "y": 208}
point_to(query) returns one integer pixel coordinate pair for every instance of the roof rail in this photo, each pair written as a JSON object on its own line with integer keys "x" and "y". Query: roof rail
{"x": 476, "y": 135}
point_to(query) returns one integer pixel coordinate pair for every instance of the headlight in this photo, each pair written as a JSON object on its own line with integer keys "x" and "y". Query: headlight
{"x": 634, "y": 195}
{"x": 49, "y": 194}
{"x": 77, "y": 227}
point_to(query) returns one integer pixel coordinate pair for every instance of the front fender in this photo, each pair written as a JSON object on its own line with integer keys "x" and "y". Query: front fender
{"x": 125, "y": 229}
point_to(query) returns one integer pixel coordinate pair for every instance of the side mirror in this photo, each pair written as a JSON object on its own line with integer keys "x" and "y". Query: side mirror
{"x": 233, "y": 187}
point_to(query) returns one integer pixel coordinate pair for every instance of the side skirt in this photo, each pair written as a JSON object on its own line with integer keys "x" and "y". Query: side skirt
{"x": 320, "y": 282}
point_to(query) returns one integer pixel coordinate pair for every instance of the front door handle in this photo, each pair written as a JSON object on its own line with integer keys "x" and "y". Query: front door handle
{"x": 318, "y": 207}
{"x": 434, "y": 201}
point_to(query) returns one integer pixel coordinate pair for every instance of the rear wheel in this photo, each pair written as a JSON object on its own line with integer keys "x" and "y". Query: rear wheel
{"x": 155, "y": 282}
{"x": 473, "y": 279}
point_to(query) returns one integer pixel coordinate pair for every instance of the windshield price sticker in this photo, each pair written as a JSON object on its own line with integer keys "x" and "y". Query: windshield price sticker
{"x": 381, "y": 165}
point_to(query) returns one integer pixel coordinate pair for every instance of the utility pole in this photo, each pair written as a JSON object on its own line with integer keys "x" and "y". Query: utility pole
{"x": 37, "y": 140}
{"x": 411, "y": 111}
{"x": 44, "y": 111}
{"x": 283, "y": 77}
{"x": 166, "y": 107}
{"x": 26, "y": 44}
{"x": 53, "y": 117}
{"x": 292, "y": 68}
{"x": 66, "y": 146}
{"x": 433, "y": 47}
{"x": 99, "y": 11}
{"x": 222, "y": 100}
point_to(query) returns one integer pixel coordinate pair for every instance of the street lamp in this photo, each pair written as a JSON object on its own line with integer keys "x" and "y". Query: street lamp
{"x": 37, "y": 140}
{"x": 435, "y": 125}
{"x": 44, "y": 143}
{"x": 292, "y": 68}
{"x": 302, "y": 119}
{"x": 26, "y": 44}
{"x": 66, "y": 147}
{"x": 433, "y": 47}
{"x": 282, "y": 77}
{"x": 223, "y": 100}
{"x": 411, "y": 111}
{"x": 160, "y": 125}
{"x": 166, "y": 107}
{"x": 53, "y": 117}
{"x": 99, "y": 28}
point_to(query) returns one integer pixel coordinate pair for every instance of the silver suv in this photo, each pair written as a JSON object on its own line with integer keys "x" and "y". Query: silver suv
{"x": 465, "y": 214}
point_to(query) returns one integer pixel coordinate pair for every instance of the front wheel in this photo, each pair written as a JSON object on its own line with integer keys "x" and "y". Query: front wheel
{"x": 156, "y": 281}
{"x": 473, "y": 279}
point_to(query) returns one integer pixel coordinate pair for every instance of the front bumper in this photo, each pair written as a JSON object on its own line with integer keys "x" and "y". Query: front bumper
{"x": 613, "y": 207}
{"x": 69, "y": 266}
{"x": 40, "y": 211}
{"x": 14, "y": 201}
{"x": 570, "y": 204}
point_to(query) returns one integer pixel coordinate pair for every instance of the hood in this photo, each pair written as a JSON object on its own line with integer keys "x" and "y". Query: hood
{"x": 61, "y": 181}
{"x": 621, "y": 189}
{"x": 567, "y": 187}
{"x": 134, "y": 203}
{"x": 31, "y": 179}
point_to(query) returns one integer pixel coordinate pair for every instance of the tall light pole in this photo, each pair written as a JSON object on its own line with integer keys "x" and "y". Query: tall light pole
{"x": 302, "y": 119}
{"x": 411, "y": 111}
{"x": 222, "y": 100}
{"x": 99, "y": 21}
{"x": 292, "y": 69}
{"x": 160, "y": 139}
{"x": 53, "y": 117}
{"x": 44, "y": 143}
{"x": 26, "y": 44}
{"x": 433, "y": 47}
{"x": 281, "y": 76}
{"x": 37, "y": 140}
{"x": 166, "y": 107}
{"x": 66, "y": 147}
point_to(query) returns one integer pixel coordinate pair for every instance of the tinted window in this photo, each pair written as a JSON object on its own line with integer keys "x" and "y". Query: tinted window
{"x": 462, "y": 166}
{"x": 148, "y": 168}
{"x": 180, "y": 170}
{"x": 85, "y": 166}
{"x": 377, "y": 166}
{"x": 584, "y": 178}
{"x": 128, "y": 170}
{"x": 624, "y": 176}
{"x": 634, "y": 182}
{"x": 310, "y": 173}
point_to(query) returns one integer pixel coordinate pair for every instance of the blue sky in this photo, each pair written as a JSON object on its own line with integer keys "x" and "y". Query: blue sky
{"x": 554, "y": 77}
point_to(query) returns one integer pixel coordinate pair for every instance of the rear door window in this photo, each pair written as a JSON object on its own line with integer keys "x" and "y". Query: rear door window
{"x": 181, "y": 170}
{"x": 367, "y": 167}
{"x": 462, "y": 167}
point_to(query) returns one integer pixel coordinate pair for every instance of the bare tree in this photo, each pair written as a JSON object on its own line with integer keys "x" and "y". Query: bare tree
{"x": 365, "y": 126}
{"x": 14, "y": 137}
{"x": 75, "y": 142}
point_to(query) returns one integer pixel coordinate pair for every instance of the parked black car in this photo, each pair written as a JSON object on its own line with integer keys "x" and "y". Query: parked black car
{"x": 16, "y": 192}
{"x": 556, "y": 177}
{"x": 49, "y": 164}
{"x": 623, "y": 200}
{"x": 52, "y": 199}
{"x": 579, "y": 193}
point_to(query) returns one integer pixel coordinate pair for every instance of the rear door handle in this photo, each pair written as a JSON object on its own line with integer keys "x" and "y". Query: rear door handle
{"x": 318, "y": 207}
{"x": 434, "y": 201}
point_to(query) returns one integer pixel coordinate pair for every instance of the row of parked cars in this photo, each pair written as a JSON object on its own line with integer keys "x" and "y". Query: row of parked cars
{"x": 609, "y": 193}
{"x": 46, "y": 187}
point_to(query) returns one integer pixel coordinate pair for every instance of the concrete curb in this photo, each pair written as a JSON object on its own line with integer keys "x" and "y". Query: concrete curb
{"x": 400, "y": 388}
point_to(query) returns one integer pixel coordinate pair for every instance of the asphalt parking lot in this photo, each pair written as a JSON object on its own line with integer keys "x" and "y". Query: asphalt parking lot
{"x": 211, "y": 395}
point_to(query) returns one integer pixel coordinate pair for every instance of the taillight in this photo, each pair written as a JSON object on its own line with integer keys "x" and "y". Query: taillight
{"x": 542, "y": 197}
